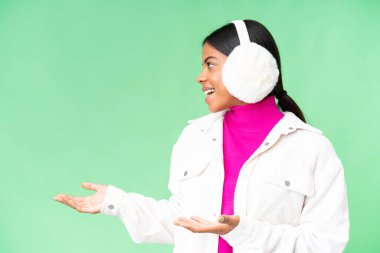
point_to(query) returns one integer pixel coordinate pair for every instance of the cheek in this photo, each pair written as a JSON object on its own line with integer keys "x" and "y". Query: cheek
{"x": 221, "y": 89}
{"x": 216, "y": 81}
{"x": 223, "y": 96}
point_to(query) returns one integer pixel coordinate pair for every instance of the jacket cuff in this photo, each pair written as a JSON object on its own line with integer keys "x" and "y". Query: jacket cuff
{"x": 112, "y": 200}
{"x": 242, "y": 232}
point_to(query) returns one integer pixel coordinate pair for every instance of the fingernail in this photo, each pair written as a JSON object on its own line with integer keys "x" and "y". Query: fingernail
{"x": 221, "y": 219}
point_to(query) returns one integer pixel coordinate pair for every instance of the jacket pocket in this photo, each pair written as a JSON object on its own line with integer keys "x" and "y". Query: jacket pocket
{"x": 193, "y": 168}
{"x": 192, "y": 179}
{"x": 192, "y": 174}
{"x": 193, "y": 159}
{"x": 278, "y": 194}
{"x": 299, "y": 183}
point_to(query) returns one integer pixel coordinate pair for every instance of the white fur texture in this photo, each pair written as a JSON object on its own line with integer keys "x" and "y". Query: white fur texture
{"x": 250, "y": 72}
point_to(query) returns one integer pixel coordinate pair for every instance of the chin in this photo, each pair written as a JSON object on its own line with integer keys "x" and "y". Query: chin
{"x": 216, "y": 108}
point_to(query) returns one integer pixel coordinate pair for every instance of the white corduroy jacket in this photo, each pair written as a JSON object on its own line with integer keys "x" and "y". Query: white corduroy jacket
{"x": 290, "y": 194}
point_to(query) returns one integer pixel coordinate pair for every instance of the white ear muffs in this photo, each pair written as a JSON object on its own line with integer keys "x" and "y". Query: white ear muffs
{"x": 250, "y": 72}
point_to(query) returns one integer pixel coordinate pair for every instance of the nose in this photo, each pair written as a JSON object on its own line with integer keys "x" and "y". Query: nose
{"x": 201, "y": 77}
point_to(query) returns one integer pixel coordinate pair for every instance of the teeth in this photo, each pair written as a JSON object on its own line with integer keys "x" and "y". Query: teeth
{"x": 209, "y": 91}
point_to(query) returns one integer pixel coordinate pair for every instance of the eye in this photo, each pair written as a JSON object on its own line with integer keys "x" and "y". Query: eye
{"x": 208, "y": 64}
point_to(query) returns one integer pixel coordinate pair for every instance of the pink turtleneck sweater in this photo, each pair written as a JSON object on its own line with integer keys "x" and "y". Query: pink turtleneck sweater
{"x": 244, "y": 129}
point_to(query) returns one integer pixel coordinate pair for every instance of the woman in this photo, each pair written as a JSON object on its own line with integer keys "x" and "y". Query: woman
{"x": 248, "y": 177}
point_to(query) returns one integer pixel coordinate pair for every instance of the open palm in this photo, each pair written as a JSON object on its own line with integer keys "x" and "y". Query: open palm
{"x": 90, "y": 204}
{"x": 195, "y": 224}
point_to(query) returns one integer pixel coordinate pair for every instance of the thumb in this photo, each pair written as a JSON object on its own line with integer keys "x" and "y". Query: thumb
{"x": 90, "y": 186}
{"x": 229, "y": 219}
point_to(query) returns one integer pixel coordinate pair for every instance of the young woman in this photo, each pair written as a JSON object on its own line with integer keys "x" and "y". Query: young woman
{"x": 248, "y": 177}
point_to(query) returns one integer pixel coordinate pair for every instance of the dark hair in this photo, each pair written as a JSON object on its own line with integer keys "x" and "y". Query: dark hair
{"x": 225, "y": 39}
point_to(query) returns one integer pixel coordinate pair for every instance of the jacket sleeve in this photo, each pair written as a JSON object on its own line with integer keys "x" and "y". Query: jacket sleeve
{"x": 323, "y": 225}
{"x": 146, "y": 219}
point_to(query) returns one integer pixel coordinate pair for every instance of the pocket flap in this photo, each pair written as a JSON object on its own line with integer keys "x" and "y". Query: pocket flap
{"x": 193, "y": 167}
{"x": 192, "y": 163}
{"x": 298, "y": 182}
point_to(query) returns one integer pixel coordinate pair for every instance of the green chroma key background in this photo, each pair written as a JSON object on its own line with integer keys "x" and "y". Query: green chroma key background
{"x": 99, "y": 91}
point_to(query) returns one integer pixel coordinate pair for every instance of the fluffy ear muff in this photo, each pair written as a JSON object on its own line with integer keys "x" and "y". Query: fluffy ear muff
{"x": 250, "y": 72}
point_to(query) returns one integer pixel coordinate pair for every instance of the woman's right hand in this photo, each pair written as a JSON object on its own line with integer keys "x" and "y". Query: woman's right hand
{"x": 90, "y": 204}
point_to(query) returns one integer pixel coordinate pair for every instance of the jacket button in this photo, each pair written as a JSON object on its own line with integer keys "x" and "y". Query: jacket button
{"x": 287, "y": 183}
{"x": 290, "y": 128}
{"x": 185, "y": 173}
{"x": 110, "y": 207}
{"x": 266, "y": 143}
{"x": 214, "y": 139}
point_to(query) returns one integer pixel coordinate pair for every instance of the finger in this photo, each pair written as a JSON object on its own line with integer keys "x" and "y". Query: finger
{"x": 68, "y": 201}
{"x": 198, "y": 227}
{"x": 63, "y": 198}
{"x": 229, "y": 219}
{"x": 72, "y": 203}
{"x": 57, "y": 197}
{"x": 198, "y": 219}
{"x": 185, "y": 220}
{"x": 60, "y": 198}
{"x": 221, "y": 219}
{"x": 90, "y": 186}
{"x": 192, "y": 226}
{"x": 79, "y": 206}
{"x": 84, "y": 205}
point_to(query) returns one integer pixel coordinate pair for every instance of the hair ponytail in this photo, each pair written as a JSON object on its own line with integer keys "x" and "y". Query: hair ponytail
{"x": 286, "y": 103}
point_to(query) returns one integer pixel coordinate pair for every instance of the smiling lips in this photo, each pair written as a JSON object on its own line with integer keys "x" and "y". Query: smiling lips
{"x": 208, "y": 90}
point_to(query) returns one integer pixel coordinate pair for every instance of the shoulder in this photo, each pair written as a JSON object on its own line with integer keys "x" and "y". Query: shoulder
{"x": 191, "y": 131}
{"x": 303, "y": 132}
{"x": 207, "y": 120}
{"x": 199, "y": 126}
{"x": 310, "y": 142}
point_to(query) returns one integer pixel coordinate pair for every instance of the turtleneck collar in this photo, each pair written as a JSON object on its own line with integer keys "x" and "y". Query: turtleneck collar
{"x": 254, "y": 116}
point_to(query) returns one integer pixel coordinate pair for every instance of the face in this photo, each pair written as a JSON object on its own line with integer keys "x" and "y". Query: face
{"x": 210, "y": 78}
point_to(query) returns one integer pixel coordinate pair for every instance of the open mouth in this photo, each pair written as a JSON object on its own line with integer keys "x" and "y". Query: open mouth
{"x": 209, "y": 91}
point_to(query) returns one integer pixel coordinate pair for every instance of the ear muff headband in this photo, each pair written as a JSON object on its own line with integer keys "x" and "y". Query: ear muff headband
{"x": 250, "y": 72}
{"x": 242, "y": 32}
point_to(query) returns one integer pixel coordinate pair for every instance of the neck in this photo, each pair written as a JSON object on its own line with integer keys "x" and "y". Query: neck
{"x": 254, "y": 116}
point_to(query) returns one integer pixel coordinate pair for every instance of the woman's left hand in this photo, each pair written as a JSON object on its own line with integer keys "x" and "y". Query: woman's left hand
{"x": 225, "y": 224}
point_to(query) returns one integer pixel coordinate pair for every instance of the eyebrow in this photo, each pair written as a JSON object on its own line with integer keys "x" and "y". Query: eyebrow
{"x": 204, "y": 61}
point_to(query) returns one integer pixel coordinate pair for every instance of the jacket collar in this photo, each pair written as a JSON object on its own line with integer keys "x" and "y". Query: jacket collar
{"x": 289, "y": 123}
